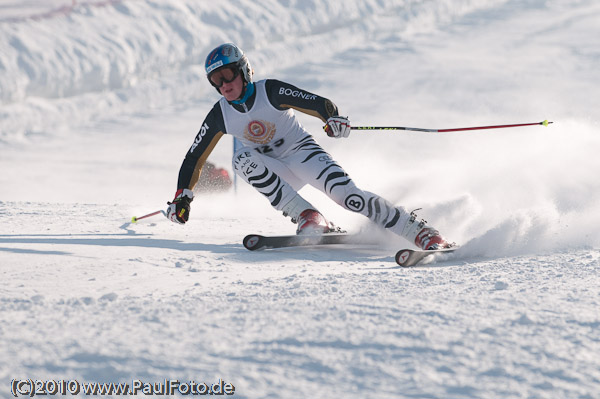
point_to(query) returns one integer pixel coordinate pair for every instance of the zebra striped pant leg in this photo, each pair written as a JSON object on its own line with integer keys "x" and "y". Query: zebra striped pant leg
{"x": 265, "y": 175}
{"x": 319, "y": 169}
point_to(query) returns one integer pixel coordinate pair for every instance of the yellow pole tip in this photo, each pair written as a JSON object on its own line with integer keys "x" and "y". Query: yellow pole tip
{"x": 545, "y": 123}
{"x": 133, "y": 219}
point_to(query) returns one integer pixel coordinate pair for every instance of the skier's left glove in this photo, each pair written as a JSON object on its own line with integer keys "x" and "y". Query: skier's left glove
{"x": 337, "y": 126}
{"x": 179, "y": 209}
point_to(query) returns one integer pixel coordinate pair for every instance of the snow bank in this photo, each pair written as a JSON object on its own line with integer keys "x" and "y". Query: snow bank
{"x": 81, "y": 62}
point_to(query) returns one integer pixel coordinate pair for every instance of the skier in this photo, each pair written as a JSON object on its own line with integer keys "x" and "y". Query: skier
{"x": 279, "y": 156}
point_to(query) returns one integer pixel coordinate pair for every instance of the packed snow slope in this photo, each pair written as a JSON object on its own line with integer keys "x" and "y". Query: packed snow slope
{"x": 100, "y": 100}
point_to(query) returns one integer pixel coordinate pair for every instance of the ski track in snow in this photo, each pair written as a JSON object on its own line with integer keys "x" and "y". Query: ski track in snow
{"x": 99, "y": 102}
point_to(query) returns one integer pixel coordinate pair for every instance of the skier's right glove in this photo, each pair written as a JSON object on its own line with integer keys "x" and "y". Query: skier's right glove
{"x": 179, "y": 209}
{"x": 337, "y": 126}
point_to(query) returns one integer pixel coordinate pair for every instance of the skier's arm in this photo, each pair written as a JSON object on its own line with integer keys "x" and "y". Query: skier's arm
{"x": 284, "y": 95}
{"x": 211, "y": 131}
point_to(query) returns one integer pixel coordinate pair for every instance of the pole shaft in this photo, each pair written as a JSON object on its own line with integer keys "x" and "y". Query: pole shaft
{"x": 416, "y": 129}
{"x": 148, "y": 215}
{"x": 490, "y": 127}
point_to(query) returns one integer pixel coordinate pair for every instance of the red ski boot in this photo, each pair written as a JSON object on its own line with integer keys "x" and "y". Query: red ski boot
{"x": 312, "y": 222}
{"x": 430, "y": 239}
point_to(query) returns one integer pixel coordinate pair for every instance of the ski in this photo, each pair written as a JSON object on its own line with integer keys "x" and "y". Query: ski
{"x": 255, "y": 242}
{"x": 412, "y": 257}
{"x": 404, "y": 257}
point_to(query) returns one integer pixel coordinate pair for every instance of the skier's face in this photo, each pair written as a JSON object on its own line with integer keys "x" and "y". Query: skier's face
{"x": 232, "y": 90}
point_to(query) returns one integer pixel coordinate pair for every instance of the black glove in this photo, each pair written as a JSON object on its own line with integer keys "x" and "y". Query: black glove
{"x": 179, "y": 210}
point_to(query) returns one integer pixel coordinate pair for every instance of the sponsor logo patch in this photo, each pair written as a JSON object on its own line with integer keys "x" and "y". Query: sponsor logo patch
{"x": 199, "y": 137}
{"x": 260, "y": 132}
{"x": 214, "y": 66}
{"x": 329, "y": 108}
{"x": 355, "y": 202}
{"x": 404, "y": 256}
{"x": 296, "y": 93}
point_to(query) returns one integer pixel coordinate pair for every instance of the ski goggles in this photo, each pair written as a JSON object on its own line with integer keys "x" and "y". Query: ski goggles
{"x": 226, "y": 74}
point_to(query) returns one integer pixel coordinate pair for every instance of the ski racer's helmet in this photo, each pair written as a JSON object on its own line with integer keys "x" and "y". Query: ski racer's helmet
{"x": 228, "y": 55}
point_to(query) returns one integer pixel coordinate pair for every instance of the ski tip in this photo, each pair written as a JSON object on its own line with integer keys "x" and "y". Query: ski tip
{"x": 403, "y": 256}
{"x": 251, "y": 242}
{"x": 411, "y": 257}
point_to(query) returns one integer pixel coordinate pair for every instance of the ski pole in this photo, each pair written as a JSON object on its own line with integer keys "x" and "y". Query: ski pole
{"x": 415, "y": 129}
{"x": 135, "y": 219}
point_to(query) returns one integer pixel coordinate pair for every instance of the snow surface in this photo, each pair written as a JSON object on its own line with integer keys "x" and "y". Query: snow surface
{"x": 99, "y": 101}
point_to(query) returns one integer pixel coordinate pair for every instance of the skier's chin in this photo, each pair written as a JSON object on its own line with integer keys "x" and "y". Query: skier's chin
{"x": 229, "y": 95}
